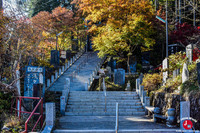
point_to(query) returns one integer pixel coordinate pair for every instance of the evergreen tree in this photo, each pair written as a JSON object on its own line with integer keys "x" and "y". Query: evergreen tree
{"x": 35, "y": 6}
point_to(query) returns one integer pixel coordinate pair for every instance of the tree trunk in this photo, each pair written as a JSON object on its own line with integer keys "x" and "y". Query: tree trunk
{"x": 128, "y": 64}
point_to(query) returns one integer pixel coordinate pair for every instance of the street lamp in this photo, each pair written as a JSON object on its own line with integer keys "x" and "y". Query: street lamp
{"x": 166, "y": 22}
{"x": 57, "y": 38}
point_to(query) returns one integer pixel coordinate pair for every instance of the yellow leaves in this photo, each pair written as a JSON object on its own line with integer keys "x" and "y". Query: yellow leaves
{"x": 152, "y": 81}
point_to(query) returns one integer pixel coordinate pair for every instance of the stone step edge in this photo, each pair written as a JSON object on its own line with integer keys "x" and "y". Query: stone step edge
{"x": 120, "y": 130}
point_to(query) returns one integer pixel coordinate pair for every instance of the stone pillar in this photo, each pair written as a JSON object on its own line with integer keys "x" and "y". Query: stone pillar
{"x": 63, "y": 69}
{"x": 141, "y": 88}
{"x": 184, "y": 113}
{"x": 65, "y": 93}
{"x": 52, "y": 78}
{"x": 18, "y": 87}
{"x": 185, "y": 73}
{"x": 86, "y": 86}
{"x": 50, "y": 114}
{"x": 91, "y": 77}
{"x": 165, "y": 65}
{"x": 56, "y": 74}
{"x": 137, "y": 85}
{"x": 147, "y": 103}
{"x": 89, "y": 81}
{"x": 48, "y": 82}
{"x": 62, "y": 104}
{"x": 143, "y": 97}
{"x": 189, "y": 50}
{"x": 59, "y": 72}
{"x": 71, "y": 61}
{"x": 67, "y": 83}
{"x": 66, "y": 66}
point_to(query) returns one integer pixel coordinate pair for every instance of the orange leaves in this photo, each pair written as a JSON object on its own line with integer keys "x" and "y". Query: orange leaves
{"x": 60, "y": 19}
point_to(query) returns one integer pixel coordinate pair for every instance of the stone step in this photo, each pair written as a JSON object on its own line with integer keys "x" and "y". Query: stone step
{"x": 103, "y": 109}
{"x": 103, "y": 103}
{"x": 126, "y": 92}
{"x": 103, "y": 106}
{"x": 104, "y": 113}
{"x": 102, "y": 100}
{"x": 83, "y": 131}
{"x": 119, "y": 131}
{"x": 100, "y": 93}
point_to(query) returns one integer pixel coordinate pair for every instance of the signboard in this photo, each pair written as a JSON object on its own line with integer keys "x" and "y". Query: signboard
{"x": 198, "y": 72}
{"x": 63, "y": 54}
{"x": 55, "y": 58}
{"x": 187, "y": 124}
{"x": 165, "y": 64}
{"x": 33, "y": 75}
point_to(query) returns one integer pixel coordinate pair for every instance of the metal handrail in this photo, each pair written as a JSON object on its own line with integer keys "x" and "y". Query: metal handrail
{"x": 104, "y": 89}
{"x": 19, "y": 99}
{"x": 117, "y": 118}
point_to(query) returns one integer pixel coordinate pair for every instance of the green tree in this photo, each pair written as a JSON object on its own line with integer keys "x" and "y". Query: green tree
{"x": 35, "y": 6}
{"x": 119, "y": 26}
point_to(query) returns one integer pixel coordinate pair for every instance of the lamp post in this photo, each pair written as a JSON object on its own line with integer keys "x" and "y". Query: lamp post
{"x": 166, "y": 22}
{"x": 57, "y": 38}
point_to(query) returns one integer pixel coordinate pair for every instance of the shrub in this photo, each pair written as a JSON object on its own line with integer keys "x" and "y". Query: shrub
{"x": 152, "y": 82}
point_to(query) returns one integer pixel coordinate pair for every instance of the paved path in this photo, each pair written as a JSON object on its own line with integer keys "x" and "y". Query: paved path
{"x": 127, "y": 124}
{"x": 108, "y": 122}
{"x": 78, "y": 83}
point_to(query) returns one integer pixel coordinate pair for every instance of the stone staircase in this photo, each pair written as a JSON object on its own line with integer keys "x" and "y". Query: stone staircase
{"x": 85, "y": 111}
{"x": 77, "y": 83}
{"x": 92, "y": 103}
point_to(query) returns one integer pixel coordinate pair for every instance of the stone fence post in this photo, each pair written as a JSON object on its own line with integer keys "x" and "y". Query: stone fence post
{"x": 50, "y": 114}
{"x": 50, "y": 117}
{"x": 48, "y": 82}
{"x": 52, "y": 79}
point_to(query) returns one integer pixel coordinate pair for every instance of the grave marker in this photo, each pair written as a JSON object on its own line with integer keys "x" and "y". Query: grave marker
{"x": 50, "y": 114}
{"x": 189, "y": 52}
{"x": 198, "y": 72}
{"x": 185, "y": 73}
{"x": 33, "y": 75}
{"x": 184, "y": 113}
{"x": 119, "y": 76}
{"x": 165, "y": 65}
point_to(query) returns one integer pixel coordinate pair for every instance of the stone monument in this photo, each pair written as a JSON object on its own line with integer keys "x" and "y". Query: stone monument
{"x": 185, "y": 73}
{"x": 165, "y": 65}
{"x": 119, "y": 76}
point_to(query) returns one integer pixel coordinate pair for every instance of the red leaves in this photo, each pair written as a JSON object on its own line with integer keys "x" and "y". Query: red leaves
{"x": 183, "y": 33}
{"x": 60, "y": 19}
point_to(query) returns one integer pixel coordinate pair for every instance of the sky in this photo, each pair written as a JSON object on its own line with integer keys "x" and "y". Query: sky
{"x": 12, "y": 7}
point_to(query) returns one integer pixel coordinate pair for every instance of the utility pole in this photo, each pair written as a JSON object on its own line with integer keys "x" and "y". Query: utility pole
{"x": 176, "y": 14}
{"x": 1, "y": 4}
{"x": 57, "y": 38}
{"x": 180, "y": 11}
{"x": 166, "y": 28}
{"x": 194, "y": 14}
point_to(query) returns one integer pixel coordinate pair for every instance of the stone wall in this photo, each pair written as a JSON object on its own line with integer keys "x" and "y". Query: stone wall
{"x": 195, "y": 108}
{"x": 166, "y": 100}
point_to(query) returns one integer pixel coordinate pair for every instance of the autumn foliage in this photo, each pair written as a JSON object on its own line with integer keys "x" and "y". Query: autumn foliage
{"x": 61, "y": 19}
{"x": 118, "y": 26}
{"x": 152, "y": 82}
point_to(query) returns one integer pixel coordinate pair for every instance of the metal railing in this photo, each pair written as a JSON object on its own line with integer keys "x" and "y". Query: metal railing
{"x": 117, "y": 118}
{"x": 104, "y": 90}
{"x": 19, "y": 99}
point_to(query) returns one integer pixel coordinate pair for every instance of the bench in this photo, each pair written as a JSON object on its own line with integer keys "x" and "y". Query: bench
{"x": 156, "y": 113}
